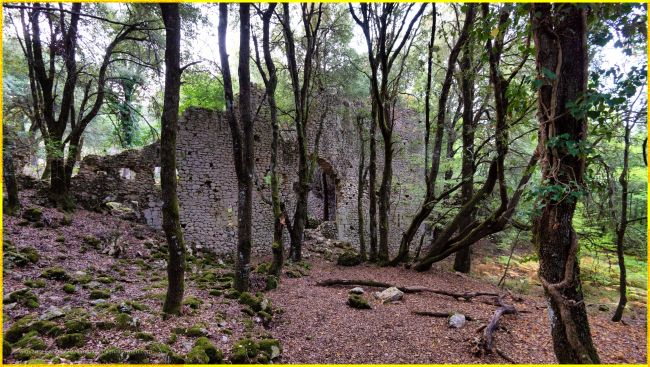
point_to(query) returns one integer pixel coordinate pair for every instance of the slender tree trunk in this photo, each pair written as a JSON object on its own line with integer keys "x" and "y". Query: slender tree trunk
{"x": 622, "y": 226}
{"x": 560, "y": 34}
{"x": 270, "y": 83}
{"x": 384, "y": 193}
{"x": 9, "y": 176}
{"x": 361, "y": 184}
{"x": 463, "y": 258}
{"x": 169, "y": 126}
{"x": 372, "y": 186}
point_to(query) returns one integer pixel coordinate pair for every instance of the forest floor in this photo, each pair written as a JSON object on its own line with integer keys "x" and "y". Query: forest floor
{"x": 88, "y": 287}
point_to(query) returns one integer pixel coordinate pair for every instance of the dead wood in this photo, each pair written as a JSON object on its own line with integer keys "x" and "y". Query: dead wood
{"x": 485, "y": 345}
{"x": 439, "y": 314}
{"x": 467, "y": 296}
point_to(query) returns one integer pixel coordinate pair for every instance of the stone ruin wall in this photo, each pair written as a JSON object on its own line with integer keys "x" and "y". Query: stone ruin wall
{"x": 208, "y": 185}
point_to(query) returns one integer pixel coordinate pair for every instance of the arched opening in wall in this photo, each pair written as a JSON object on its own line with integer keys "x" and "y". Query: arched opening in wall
{"x": 323, "y": 194}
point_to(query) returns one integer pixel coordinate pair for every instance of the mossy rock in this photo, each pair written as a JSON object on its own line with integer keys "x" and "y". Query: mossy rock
{"x": 195, "y": 331}
{"x": 25, "y": 354}
{"x": 272, "y": 282}
{"x": 271, "y": 347}
{"x": 125, "y": 322}
{"x": 93, "y": 241}
{"x": 357, "y": 301}
{"x": 265, "y": 316}
{"x": 349, "y": 258}
{"x": 18, "y": 329}
{"x": 197, "y": 356}
{"x": 99, "y": 294}
{"x": 31, "y": 254}
{"x": 156, "y": 347}
{"x": 263, "y": 268}
{"x": 66, "y": 341}
{"x": 173, "y": 358}
{"x": 245, "y": 298}
{"x": 6, "y": 348}
{"x": 232, "y": 294}
{"x": 33, "y": 214}
{"x": 173, "y": 337}
{"x": 31, "y": 341}
{"x": 45, "y": 327}
{"x": 35, "y": 283}
{"x": 55, "y": 273}
{"x": 144, "y": 336}
{"x": 83, "y": 279}
{"x": 111, "y": 355}
{"x": 244, "y": 351}
{"x": 105, "y": 325}
{"x": 69, "y": 288}
{"x": 137, "y": 356}
{"x": 312, "y": 223}
{"x": 193, "y": 302}
{"x": 214, "y": 354}
{"x": 78, "y": 326}
{"x": 60, "y": 239}
{"x": 248, "y": 311}
{"x": 24, "y": 297}
{"x": 72, "y": 356}
{"x": 216, "y": 292}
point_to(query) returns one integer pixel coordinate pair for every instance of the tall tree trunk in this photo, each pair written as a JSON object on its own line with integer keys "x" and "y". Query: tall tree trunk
{"x": 384, "y": 192}
{"x": 621, "y": 228}
{"x": 270, "y": 84}
{"x": 560, "y": 34}
{"x": 245, "y": 181}
{"x": 463, "y": 258}
{"x": 169, "y": 126}
{"x": 9, "y": 176}
{"x": 372, "y": 186}
{"x": 360, "y": 185}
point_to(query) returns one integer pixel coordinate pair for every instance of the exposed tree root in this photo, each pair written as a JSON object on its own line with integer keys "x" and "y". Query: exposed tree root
{"x": 467, "y": 296}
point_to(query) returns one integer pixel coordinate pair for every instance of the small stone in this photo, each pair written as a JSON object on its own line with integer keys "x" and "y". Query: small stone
{"x": 391, "y": 294}
{"x": 80, "y": 273}
{"x": 457, "y": 321}
{"x": 52, "y": 313}
{"x": 96, "y": 302}
{"x": 356, "y": 290}
{"x": 224, "y": 339}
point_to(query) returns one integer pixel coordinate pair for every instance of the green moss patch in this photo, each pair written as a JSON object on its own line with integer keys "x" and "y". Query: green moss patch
{"x": 55, "y": 273}
{"x": 349, "y": 258}
{"x": 66, "y": 341}
{"x": 357, "y": 301}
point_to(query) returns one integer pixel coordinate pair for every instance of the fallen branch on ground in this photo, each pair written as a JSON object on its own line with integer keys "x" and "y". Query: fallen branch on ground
{"x": 439, "y": 314}
{"x": 485, "y": 345}
{"x": 416, "y": 289}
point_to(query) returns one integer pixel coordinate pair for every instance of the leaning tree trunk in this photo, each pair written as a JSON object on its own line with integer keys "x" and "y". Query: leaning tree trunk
{"x": 9, "y": 177}
{"x": 560, "y": 33}
{"x": 463, "y": 258}
{"x": 169, "y": 127}
{"x": 384, "y": 192}
{"x": 622, "y": 226}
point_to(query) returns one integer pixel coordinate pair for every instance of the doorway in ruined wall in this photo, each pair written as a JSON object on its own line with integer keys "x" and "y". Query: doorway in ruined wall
{"x": 323, "y": 193}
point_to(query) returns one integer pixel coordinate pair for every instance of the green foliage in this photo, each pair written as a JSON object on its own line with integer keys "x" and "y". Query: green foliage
{"x": 201, "y": 90}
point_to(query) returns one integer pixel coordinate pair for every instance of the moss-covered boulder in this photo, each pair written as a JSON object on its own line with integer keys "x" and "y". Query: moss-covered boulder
{"x": 92, "y": 241}
{"x": 197, "y": 356}
{"x": 32, "y": 341}
{"x": 137, "y": 356}
{"x": 71, "y": 356}
{"x": 24, "y": 297}
{"x": 6, "y": 348}
{"x": 125, "y": 322}
{"x": 245, "y": 298}
{"x": 272, "y": 282}
{"x": 271, "y": 347}
{"x": 31, "y": 254}
{"x": 18, "y": 329}
{"x": 46, "y": 327}
{"x": 25, "y": 354}
{"x": 66, "y": 341}
{"x": 33, "y": 214}
{"x": 349, "y": 258}
{"x": 78, "y": 326}
{"x": 69, "y": 288}
{"x": 55, "y": 273}
{"x": 35, "y": 283}
{"x": 193, "y": 302}
{"x": 111, "y": 355}
{"x": 214, "y": 354}
{"x": 99, "y": 294}
{"x": 144, "y": 336}
{"x": 357, "y": 301}
{"x": 156, "y": 347}
{"x": 244, "y": 351}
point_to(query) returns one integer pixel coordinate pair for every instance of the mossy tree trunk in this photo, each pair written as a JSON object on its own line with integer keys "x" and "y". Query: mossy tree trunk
{"x": 622, "y": 227}
{"x": 169, "y": 126}
{"x": 560, "y": 34}
{"x": 9, "y": 177}
{"x": 270, "y": 83}
{"x": 463, "y": 258}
